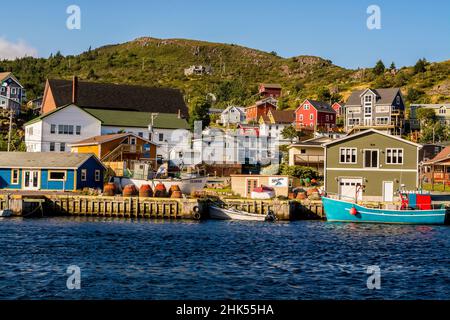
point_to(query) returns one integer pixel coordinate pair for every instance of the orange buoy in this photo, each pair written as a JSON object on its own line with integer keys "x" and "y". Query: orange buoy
{"x": 145, "y": 191}
{"x": 312, "y": 191}
{"x": 129, "y": 190}
{"x": 301, "y": 195}
{"x": 353, "y": 211}
{"x": 160, "y": 190}
{"x": 109, "y": 189}
{"x": 173, "y": 188}
{"x": 176, "y": 194}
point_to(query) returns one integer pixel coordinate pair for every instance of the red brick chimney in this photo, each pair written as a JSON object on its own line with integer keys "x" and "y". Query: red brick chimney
{"x": 75, "y": 90}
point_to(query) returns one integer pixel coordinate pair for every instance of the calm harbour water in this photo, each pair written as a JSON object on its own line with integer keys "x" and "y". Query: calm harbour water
{"x": 125, "y": 259}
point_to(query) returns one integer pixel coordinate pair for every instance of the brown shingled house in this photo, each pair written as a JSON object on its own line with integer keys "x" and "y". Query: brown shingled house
{"x": 94, "y": 95}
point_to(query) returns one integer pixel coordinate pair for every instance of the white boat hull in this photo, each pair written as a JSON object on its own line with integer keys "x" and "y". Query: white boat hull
{"x": 6, "y": 213}
{"x": 187, "y": 186}
{"x": 226, "y": 214}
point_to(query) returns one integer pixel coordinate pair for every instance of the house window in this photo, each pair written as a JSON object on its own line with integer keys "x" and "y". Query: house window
{"x": 397, "y": 100}
{"x": 62, "y": 147}
{"x": 311, "y": 116}
{"x": 161, "y": 137}
{"x": 327, "y": 118}
{"x": 78, "y": 130}
{"x": 53, "y": 128}
{"x": 382, "y": 120}
{"x": 15, "y": 176}
{"x": 2, "y": 89}
{"x": 60, "y": 129}
{"x": 97, "y": 175}
{"x": 13, "y": 90}
{"x": 30, "y": 131}
{"x": 394, "y": 156}
{"x": 353, "y": 122}
{"x": 132, "y": 140}
{"x": 83, "y": 174}
{"x": 52, "y": 146}
{"x": 371, "y": 158}
{"x": 368, "y": 99}
{"x": 347, "y": 155}
{"x": 56, "y": 176}
{"x": 302, "y": 151}
{"x": 70, "y": 129}
{"x": 306, "y": 107}
{"x": 141, "y": 134}
{"x": 301, "y": 117}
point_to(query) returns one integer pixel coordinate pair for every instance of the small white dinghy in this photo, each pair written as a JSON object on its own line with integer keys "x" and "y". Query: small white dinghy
{"x": 232, "y": 214}
{"x": 6, "y": 213}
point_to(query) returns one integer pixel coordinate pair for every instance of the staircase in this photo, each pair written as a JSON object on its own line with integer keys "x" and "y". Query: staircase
{"x": 117, "y": 153}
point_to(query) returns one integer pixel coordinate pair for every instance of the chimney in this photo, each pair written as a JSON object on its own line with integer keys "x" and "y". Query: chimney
{"x": 75, "y": 90}
{"x": 179, "y": 114}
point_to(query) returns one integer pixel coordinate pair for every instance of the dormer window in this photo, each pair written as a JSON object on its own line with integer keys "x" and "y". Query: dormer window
{"x": 397, "y": 100}
{"x": 368, "y": 99}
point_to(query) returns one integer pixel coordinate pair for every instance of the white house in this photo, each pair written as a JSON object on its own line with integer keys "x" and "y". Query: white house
{"x": 232, "y": 115}
{"x": 54, "y": 130}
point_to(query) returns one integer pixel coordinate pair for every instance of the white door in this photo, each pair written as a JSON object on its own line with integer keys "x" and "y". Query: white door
{"x": 348, "y": 188}
{"x": 388, "y": 191}
{"x": 30, "y": 180}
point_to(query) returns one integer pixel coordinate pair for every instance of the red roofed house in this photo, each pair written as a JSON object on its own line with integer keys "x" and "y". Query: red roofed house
{"x": 339, "y": 108}
{"x": 270, "y": 90}
{"x": 260, "y": 108}
{"x": 315, "y": 115}
{"x": 437, "y": 170}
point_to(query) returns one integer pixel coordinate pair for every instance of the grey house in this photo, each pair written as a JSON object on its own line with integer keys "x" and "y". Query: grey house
{"x": 381, "y": 109}
{"x": 12, "y": 92}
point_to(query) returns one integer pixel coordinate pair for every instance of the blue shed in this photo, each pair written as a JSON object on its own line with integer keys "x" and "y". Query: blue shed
{"x": 51, "y": 171}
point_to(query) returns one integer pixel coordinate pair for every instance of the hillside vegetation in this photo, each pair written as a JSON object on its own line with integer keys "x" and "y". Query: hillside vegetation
{"x": 237, "y": 71}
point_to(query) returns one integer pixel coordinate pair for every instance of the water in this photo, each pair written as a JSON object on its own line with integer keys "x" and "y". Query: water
{"x": 125, "y": 259}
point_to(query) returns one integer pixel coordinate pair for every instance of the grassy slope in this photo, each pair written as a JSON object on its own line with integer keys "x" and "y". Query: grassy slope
{"x": 156, "y": 62}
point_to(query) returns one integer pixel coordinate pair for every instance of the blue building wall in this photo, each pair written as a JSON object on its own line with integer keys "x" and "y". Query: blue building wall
{"x": 91, "y": 165}
{"x": 67, "y": 185}
{"x": 5, "y": 180}
{"x": 73, "y": 178}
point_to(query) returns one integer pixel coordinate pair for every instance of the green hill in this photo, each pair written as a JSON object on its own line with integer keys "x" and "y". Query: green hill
{"x": 237, "y": 71}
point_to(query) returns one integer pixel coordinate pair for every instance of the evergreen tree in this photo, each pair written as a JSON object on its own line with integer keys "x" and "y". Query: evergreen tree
{"x": 199, "y": 111}
{"x": 379, "y": 68}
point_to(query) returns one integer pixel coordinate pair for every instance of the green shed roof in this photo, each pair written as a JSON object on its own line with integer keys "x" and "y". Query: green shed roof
{"x": 120, "y": 118}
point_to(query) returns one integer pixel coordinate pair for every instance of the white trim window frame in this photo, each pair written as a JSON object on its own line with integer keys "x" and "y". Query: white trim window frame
{"x": 380, "y": 123}
{"x": 49, "y": 178}
{"x": 348, "y": 155}
{"x": 83, "y": 175}
{"x": 394, "y": 153}
{"x": 15, "y": 178}
{"x": 371, "y": 158}
{"x": 97, "y": 175}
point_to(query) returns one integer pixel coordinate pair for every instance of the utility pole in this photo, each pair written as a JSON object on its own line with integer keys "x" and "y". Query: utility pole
{"x": 10, "y": 128}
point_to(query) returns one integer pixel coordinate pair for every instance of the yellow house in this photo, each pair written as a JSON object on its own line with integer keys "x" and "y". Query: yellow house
{"x": 118, "y": 147}
{"x": 308, "y": 153}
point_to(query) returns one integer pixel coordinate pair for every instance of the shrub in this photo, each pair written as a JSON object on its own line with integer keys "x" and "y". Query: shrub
{"x": 299, "y": 172}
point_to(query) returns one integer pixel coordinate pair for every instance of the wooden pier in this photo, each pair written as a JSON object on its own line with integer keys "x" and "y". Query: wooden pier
{"x": 151, "y": 208}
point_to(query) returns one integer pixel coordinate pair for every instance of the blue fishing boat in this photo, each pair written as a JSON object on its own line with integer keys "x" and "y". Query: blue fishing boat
{"x": 346, "y": 211}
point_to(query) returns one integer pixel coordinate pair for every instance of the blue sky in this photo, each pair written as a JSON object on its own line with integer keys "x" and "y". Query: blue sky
{"x": 334, "y": 30}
